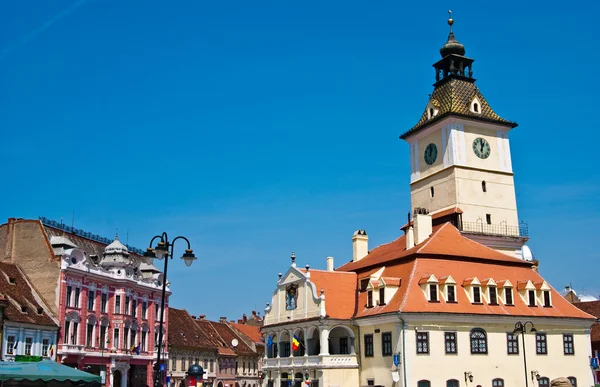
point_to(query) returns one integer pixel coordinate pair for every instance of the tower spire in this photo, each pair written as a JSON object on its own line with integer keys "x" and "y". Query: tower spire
{"x": 450, "y": 20}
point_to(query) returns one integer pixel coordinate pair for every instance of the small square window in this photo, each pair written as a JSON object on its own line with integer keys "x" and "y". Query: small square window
{"x": 512, "y": 344}
{"x": 541, "y": 347}
{"x": 568, "y": 346}
{"x": 450, "y": 342}
{"x": 423, "y": 342}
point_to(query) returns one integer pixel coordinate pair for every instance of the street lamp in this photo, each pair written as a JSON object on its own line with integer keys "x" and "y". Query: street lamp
{"x": 521, "y": 328}
{"x": 164, "y": 250}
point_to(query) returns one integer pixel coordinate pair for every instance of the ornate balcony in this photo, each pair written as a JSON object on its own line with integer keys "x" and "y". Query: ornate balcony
{"x": 315, "y": 361}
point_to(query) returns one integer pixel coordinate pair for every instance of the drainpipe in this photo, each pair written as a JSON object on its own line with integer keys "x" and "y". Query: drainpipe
{"x": 403, "y": 349}
{"x": 358, "y": 352}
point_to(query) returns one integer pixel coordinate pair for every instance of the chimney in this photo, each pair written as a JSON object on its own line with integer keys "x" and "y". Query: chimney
{"x": 360, "y": 245}
{"x": 223, "y": 319}
{"x": 410, "y": 237}
{"x": 329, "y": 263}
{"x": 422, "y": 225}
{"x": 202, "y": 317}
{"x": 254, "y": 313}
{"x": 194, "y": 317}
{"x": 244, "y": 318}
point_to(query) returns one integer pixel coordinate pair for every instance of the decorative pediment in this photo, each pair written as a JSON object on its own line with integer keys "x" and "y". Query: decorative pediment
{"x": 73, "y": 316}
{"x": 293, "y": 275}
{"x": 488, "y": 282}
{"x": 428, "y": 279}
{"x": 471, "y": 282}
{"x": 504, "y": 284}
{"x": 447, "y": 280}
{"x": 541, "y": 285}
{"x": 525, "y": 285}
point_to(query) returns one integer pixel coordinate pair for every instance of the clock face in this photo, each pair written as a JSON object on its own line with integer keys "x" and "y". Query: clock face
{"x": 481, "y": 148}
{"x": 430, "y": 154}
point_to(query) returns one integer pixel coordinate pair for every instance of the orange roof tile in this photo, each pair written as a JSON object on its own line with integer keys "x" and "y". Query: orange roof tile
{"x": 252, "y": 331}
{"x": 340, "y": 291}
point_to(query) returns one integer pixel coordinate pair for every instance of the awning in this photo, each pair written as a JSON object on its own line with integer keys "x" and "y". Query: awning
{"x": 45, "y": 371}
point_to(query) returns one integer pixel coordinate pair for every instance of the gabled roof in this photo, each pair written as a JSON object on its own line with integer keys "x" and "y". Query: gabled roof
{"x": 228, "y": 335}
{"x": 18, "y": 292}
{"x": 185, "y": 333}
{"x": 453, "y": 98}
{"x": 250, "y": 331}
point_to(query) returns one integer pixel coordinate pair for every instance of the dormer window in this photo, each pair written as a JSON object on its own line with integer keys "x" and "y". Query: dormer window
{"x": 12, "y": 280}
{"x": 381, "y": 296}
{"x": 476, "y": 106}
{"x": 547, "y": 303}
{"x": 508, "y": 296}
{"x": 493, "y": 295}
{"x": 429, "y": 285}
{"x": 369, "y": 299}
{"x": 23, "y": 309}
{"x": 433, "y": 293}
{"x": 451, "y": 291}
{"x": 531, "y": 296}
{"x": 431, "y": 112}
{"x": 477, "y": 294}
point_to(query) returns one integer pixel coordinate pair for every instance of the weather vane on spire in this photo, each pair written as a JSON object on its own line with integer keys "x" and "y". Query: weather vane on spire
{"x": 450, "y": 20}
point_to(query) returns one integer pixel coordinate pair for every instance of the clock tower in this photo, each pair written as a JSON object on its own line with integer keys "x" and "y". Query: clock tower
{"x": 460, "y": 162}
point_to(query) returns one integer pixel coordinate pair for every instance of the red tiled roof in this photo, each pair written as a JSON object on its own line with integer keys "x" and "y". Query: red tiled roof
{"x": 228, "y": 335}
{"x": 183, "y": 332}
{"x": 340, "y": 292}
{"x": 18, "y": 292}
{"x": 445, "y": 240}
{"x": 448, "y": 253}
{"x": 251, "y": 331}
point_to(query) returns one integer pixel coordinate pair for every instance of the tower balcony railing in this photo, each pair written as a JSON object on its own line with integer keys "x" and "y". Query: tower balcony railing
{"x": 316, "y": 361}
{"x": 502, "y": 229}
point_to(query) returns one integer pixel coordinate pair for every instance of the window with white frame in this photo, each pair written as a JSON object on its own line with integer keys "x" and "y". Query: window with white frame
{"x": 547, "y": 301}
{"x": 45, "y": 346}
{"x": 144, "y": 310}
{"x": 91, "y": 297}
{"x": 477, "y": 294}
{"x": 28, "y": 345}
{"x": 531, "y": 297}
{"x": 69, "y": 295}
{"x": 10, "y": 344}
{"x": 116, "y": 338}
{"x": 451, "y": 293}
{"x": 77, "y": 297}
{"x": 103, "y": 302}
{"x": 117, "y": 304}
{"x": 493, "y": 295}
{"x": 508, "y": 296}
{"x": 433, "y": 293}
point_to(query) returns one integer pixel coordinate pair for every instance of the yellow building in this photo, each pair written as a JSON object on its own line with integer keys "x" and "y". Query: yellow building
{"x": 456, "y": 300}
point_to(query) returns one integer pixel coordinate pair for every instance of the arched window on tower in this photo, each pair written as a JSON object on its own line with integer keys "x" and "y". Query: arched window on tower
{"x": 476, "y": 107}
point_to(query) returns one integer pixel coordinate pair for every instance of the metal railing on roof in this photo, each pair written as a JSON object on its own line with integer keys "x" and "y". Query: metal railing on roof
{"x": 521, "y": 230}
{"x": 85, "y": 234}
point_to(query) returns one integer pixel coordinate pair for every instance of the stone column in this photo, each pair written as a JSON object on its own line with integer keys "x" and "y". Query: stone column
{"x": 324, "y": 341}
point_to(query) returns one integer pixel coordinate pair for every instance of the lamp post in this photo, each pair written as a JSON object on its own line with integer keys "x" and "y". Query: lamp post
{"x": 521, "y": 328}
{"x": 164, "y": 250}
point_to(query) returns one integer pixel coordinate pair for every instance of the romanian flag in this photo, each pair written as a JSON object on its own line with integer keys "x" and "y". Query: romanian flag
{"x": 295, "y": 343}
{"x": 51, "y": 350}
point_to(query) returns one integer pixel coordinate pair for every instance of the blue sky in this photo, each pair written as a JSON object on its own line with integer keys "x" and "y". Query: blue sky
{"x": 261, "y": 128}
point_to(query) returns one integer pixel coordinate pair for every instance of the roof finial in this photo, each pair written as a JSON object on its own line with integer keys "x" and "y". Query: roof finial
{"x": 450, "y": 20}
{"x": 117, "y": 234}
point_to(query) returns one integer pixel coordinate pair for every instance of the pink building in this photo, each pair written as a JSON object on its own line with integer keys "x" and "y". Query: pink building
{"x": 106, "y": 297}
